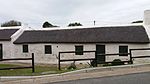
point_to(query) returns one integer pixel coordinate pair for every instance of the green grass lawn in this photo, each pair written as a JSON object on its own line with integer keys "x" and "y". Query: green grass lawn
{"x": 39, "y": 70}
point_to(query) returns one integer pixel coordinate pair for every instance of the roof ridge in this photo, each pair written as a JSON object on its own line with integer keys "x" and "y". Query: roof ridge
{"x": 89, "y": 28}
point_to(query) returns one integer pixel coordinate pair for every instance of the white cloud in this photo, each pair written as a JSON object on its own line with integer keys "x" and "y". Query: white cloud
{"x": 61, "y": 12}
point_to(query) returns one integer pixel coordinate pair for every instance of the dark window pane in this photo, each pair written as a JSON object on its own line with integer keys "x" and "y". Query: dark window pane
{"x": 25, "y": 48}
{"x": 1, "y": 51}
{"x": 48, "y": 49}
{"x": 123, "y": 50}
{"x": 79, "y": 50}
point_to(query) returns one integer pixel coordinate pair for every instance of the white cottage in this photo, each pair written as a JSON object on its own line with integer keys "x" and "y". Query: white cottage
{"x": 46, "y": 44}
{"x": 6, "y": 41}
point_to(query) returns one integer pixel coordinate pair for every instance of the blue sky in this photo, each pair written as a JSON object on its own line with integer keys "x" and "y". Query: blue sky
{"x": 62, "y": 12}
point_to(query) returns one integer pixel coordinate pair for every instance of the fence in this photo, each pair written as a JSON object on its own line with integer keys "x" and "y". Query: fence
{"x": 64, "y": 60}
{"x": 114, "y": 54}
{"x": 20, "y": 67}
{"x": 93, "y": 59}
{"x": 131, "y": 56}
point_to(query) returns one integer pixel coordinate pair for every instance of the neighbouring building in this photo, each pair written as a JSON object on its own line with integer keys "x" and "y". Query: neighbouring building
{"x": 6, "y": 42}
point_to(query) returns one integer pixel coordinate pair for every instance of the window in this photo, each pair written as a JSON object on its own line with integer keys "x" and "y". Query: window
{"x": 25, "y": 48}
{"x": 123, "y": 50}
{"x": 48, "y": 49}
{"x": 79, "y": 50}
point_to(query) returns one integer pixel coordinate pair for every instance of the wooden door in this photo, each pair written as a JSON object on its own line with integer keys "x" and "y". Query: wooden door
{"x": 100, "y": 49}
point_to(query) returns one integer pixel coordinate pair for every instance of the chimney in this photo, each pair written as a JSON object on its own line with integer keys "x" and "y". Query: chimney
{"x": 147, "y": 17}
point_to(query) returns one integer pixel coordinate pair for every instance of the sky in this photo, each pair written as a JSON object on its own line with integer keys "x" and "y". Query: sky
{"x": 62, "y": 12}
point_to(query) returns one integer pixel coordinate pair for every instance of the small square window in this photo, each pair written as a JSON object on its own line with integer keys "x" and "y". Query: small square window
{"x": 25, "y": 49}
{"x": 123, "y": 50}
{"x": 78, "y": 50}
{"x": 48, "y": 49}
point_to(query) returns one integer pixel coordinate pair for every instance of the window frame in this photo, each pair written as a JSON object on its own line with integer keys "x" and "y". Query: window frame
{"x": 48, "y": 49}
{"x": 25, "y": 48}
{"x": 79, "y": 50}
{"x": 123, "y": 49}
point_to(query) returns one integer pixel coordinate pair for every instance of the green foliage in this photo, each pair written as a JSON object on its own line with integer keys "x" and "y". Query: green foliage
{"x": 74, "y": 24}
{"x": 11, "y": 23}
{"x": 93, "y": 63}
{"x": 47, "y": 24}
{"x": 117, "y": 62}
{"x": 28, "y": 72}
{"x": 72, "y": 66}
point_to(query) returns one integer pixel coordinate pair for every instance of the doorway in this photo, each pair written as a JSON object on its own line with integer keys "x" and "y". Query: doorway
{"x": 100, "y": 49}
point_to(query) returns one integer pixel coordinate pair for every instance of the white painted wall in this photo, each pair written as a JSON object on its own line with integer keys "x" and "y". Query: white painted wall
{"x": 114, "y": 48}
{"x": 147, "y": 22}
{"x": 7, "y": 49}
{"x": 8, "y": 46}
{"x": 41, "y": 57}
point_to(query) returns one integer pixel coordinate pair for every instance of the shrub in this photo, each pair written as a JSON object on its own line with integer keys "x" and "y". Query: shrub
{"x": 72, "y": 66}
{"x": 117, "y": 62}
{"x": 93, "y": 63}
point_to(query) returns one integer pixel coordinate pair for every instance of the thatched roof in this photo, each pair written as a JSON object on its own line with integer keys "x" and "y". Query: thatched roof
{"x": 118, "y": 34}
{"x": 5, "y": 34}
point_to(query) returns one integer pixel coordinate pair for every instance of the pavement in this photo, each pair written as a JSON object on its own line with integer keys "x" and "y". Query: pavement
{"x": 78, "y": 74}
{"x": 138, "y": 78}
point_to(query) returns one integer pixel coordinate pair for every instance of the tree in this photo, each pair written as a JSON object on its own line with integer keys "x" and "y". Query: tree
{"x": 47, "y": 24}
{"x": 74, "y": 24}
{"x": 11, "y": 23}
{"x": 139, "y": 21}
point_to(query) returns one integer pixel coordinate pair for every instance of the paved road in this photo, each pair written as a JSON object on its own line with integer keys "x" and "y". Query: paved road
{"x": 140, "y": 78}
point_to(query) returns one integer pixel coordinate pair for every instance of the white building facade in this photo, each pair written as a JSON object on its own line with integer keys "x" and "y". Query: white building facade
{"x": 46, "y": 44}
{"x": 41, "y": 57}
{"x": 6, "y": 41}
